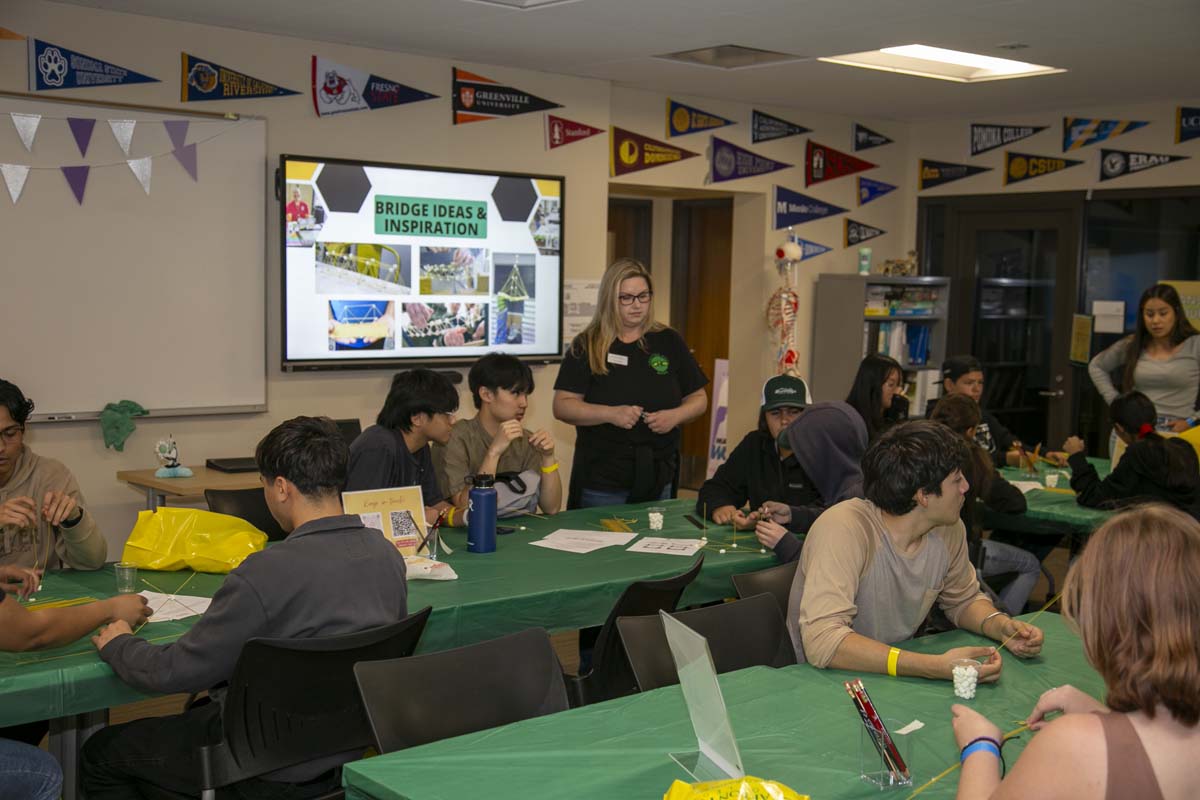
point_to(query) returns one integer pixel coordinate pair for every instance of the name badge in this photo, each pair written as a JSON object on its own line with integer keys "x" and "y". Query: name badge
{"x": 618, "y": 359}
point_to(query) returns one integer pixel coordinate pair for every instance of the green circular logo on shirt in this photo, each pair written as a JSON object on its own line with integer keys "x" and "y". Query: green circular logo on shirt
{"x": 659, "y": 363}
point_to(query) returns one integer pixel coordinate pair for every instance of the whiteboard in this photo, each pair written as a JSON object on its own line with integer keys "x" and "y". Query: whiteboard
{"x": 159, "y": 298}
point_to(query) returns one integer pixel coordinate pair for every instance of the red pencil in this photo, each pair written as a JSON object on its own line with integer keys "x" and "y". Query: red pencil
{"x": 878, "y": 722}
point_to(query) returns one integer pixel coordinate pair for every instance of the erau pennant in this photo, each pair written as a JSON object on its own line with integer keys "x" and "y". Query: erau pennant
{"x": 823, "y": 163}
{"x": 477, "y": 99}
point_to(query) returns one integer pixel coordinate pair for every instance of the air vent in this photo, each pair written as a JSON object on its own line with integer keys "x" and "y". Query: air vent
{"x": 731, "y": 56}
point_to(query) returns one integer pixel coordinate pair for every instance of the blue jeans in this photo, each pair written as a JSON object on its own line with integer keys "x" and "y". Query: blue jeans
{"x": 590, "y": 498}
{"x": 1000, "y": 558}
{"x": 27, "y": 772}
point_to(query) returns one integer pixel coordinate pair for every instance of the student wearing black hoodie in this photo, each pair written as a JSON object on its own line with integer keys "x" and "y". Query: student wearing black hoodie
{"x": 1153, "y": 467}
{"x": 829, "y": 440}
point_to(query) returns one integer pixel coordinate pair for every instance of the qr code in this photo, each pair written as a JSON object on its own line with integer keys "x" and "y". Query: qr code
{"x": 403, "y": 526}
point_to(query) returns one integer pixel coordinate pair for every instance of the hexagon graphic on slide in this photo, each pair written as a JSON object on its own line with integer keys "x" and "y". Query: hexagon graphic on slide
{"x": 514, "y": 198}
{"x": 344, "y": 187}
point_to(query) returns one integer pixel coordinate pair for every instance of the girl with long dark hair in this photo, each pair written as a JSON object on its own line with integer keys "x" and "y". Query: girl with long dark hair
{"x": 878, "y": 381}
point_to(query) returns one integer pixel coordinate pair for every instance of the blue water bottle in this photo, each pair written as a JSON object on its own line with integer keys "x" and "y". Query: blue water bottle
{"x": 481, "y": 515}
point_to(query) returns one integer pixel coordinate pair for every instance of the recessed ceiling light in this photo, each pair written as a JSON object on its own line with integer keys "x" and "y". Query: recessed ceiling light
{"x": 937, "y": 62}
{"x": 523, "y": 5}
{"x": 730, "y": 56}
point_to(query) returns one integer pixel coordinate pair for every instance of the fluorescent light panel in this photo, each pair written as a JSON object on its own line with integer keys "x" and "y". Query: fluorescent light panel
{"x": 936, "y": 62}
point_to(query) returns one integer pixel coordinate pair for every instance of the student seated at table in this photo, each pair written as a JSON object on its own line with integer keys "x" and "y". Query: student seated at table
{"x": 829, "y": 440}
{"x": 44, "y": 523}
{"x": 419, "y": 409}
{"x": 1153, "y": 467}
{"x": 878, "y": 385}
{"x": 961, "y": 414}
{"x": 494, "y": 442}
{"x": 1132, "y": 596}
{"x": 872, "y": 568}
{"x": 330, "y": 576}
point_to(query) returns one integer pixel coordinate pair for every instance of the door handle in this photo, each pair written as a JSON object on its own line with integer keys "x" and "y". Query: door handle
{"x": 1058, "y": 393}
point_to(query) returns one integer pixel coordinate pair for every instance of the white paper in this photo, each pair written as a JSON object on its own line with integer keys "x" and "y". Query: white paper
{"x": 167, "y": 607}
{"x": 915, "y": 725}
{"x": 1027, "y": 486}
{"x": 1108, "y": 323}
{"x": 579, "y": 305}
{"x": 665, "y": 546}
{"x": 572, "y": 541}
{"x": 1112, "y": 308}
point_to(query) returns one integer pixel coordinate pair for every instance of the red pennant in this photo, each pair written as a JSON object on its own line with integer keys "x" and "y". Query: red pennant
{"x": 561, "y": 131}
{"x": 823, "y": 163}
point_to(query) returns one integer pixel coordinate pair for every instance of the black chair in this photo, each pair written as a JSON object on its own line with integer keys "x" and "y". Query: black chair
{"x": 610, "y": 675}
{"x": 413, "y": 701}
{"x": 350, "y": 429}
{"x": 247, "y": 504}
{"x": 294, "y": 701}
{"x": 740, "y": 634}
{"x": 775, "y": 581}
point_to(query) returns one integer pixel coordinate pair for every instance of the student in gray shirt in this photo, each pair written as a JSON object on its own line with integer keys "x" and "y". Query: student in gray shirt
{"x": 872, "y": 568}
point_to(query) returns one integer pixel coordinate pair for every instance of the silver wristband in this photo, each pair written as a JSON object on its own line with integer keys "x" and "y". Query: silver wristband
{"x": 989, "y": 616}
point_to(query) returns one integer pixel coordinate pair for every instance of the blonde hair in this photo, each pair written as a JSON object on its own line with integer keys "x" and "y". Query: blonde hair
{"x": 1134, "y": 595}
{"x": 606, "y": 324}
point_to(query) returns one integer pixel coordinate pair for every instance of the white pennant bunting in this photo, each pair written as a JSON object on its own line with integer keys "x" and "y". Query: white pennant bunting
{"x": 26, "y": 125}
{"x": 14, "y": 177}
{"x": 141, "y": 171}
{"x": 123, "y": 131}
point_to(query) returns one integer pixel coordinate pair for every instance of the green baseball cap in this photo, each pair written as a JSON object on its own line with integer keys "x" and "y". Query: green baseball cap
{"x": 784, "y": 390}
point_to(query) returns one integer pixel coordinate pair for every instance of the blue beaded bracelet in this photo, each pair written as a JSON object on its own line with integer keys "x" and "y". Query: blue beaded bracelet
{"x": 978, "y": 746}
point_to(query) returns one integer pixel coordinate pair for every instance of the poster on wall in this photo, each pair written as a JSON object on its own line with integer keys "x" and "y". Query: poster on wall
{"x": 1079, "y": 132}
{"x": 1116, "y": 163}
{"x": 858, "y": 232}
{"x": 208, "y": 80}
{"x": 477, "y": 99}
{"x": 339, "y": 89}
{"x": 632, "y": 152}
{"x": 765, "y": 128}
{"x": 864, "y": 138}
{"x": 728, "y": 162}
{"x": 823, "y": 163}
{"x": 869, "y": 190}
{"x": 52, "y": 66}
{"x": 936, "y": 173}
{"x": 561, "y": 131}
{"x": 1081, "y": 339}
{"x": 1189, "y": 296}
{"x": 1023, "y": 166}
{"x": 989, "y": 137}
{"x": 1187, "y": 124}
{"x": 718, "y": 437}
{"x": 793, "y": 208}
{"x": 684, "y": 119}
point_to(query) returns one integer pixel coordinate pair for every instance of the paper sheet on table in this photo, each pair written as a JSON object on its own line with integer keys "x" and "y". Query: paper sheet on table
{"x": 1027, "y": 486}
{"x": 570, "y": 541}
{"x": 664, "y": 546}
{"x": 168, "y": 607}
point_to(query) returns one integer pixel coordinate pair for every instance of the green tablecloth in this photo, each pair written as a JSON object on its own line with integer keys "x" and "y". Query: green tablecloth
{"x": 795, "y": 725}
{"x": 517, "y": 587}
{"x": 1057, "y": 507}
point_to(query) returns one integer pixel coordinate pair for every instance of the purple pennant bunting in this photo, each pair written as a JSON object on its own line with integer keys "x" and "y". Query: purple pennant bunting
{"x": 186, "y": 156}
{"x": 177, "y": 130}
{"x": 77, "y": 180}
{"x": 81, "y": 129}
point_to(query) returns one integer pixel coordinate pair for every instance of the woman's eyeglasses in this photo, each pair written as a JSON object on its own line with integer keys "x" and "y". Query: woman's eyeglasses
{"x": 630, "y": 299}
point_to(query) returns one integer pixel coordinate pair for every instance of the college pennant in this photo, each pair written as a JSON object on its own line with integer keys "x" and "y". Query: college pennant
{"x": 1078, "y": 132}
{"x": 823, "y": 163}
{"x": 631, "y": 152}
{"x": 477, "y": 99}
{"x": 561, "y": 131}
{"x": 865, "y": 138}
{"x": 935, "y": 173}
{"x": 684, "y": 119}
{"x": 729, "y": 162}
{"x": 869, "y": 190}
{"x": 793, "y": 208}
{"x": 55, "y": 67}
{"x": 1115, "y": 163}
{"x": 989, "y": 137}
{"x": 208, "y": 80}
{"x": 857, "y": 232}
{"x": 1187, "y": 124}
{"x": 338, "y": 89}
{"x": 809, "y": 249}
{"x": 766, "y": 128}
{"x": 1023, "y": 166}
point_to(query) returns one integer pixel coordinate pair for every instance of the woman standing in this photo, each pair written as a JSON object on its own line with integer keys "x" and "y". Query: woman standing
{"x": 877, "y": 383}
{"x": 1161, "y": 360}
{"x": 627, "y": 383}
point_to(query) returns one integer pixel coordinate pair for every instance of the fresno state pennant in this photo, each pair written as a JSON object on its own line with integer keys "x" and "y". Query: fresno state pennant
{"x": 631, "y": 152}
{"x": 823, "y": 163}
{"x": 338, "y": 89}
{"x": 208, "y": 80}
{"x": 1115, "y": 163}
{"x": 477, "y": 99}
{"x": 857, "y": 232}
{"x": 1023, "y": 166}
{"x": 561, "y": 131}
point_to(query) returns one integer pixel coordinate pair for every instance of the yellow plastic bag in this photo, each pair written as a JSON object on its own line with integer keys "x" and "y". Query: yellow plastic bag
{"x": 747, "y": 788}
{"x": 175, "y": 538}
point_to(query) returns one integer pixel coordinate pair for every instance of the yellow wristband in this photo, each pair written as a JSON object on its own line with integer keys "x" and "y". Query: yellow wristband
{"x": 893, "y": 657}
{"x": 552, "y": 468}
{"x": 450, "y": 517}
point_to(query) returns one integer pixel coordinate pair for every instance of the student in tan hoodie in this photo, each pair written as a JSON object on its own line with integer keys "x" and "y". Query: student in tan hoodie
{"x": 44, "y": 523}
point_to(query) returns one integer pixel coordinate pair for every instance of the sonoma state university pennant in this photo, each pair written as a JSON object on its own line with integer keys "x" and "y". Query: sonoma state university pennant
{"x": 52, "y": 66}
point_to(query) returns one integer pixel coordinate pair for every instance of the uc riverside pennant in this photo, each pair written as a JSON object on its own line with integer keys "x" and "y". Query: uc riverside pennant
{"x": 824, "y": 164}
{"x": 1022, "y": 166}
{"x": 935, "y": 173}
{"x": 793, "y": 208}
{"x": 869, "y": 190}
{"x": 1079, "y": 132}
{"x": 631, "y": 152}
{"x": 477, "y": 98}
{"x": 730, "y": 162}
{"x": 561, "y": 131}
{"x": 54, "y": 67}
{"x": 338, "y": 89}
{"x": 1115, "y": 163}
{"x": 208, "y": 80}
{"x": 865, "y": 138}
{"x": 683, "y": 119}
{"x": 989, "y": 137}
{"x": 1187, "y": 124}
{"x": 765, "y": 128}
{"x": 857, "y": 232}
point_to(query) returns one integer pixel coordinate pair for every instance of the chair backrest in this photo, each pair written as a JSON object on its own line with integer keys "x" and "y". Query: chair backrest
{"x": 742, "y": 633}
{"x": 775, "y": 581}
{"x": 413, "y": 701}
{"x": 247, "y": 504}
{"x": 350, "y": 429}
{"x": 291, "y": 701}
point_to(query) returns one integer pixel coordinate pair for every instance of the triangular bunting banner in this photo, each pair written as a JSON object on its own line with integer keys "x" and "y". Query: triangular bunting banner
{"x": 1115, "y": 163}
{"x": 14, "y": 179}
{"x": 55, "y": 67}
{"x": 684, "y": 119}
{"x": 765, "y": 128}
{"x": 793, "y": 208}
{"x": 338, "y": 89}
{"x": 77, "y": 180}
{"x": 561, "y": 131}
{"x": 26, "y": 125}
{"x": 869, "y": 190}
{"x": 208, "y": 80}
{"x": 989, "y": 137}
{"x": 631, "y": 152}
{"x": 1187, "y": 124}
{"x": 141, "y": 171}
{"x": 1078, "y": 132}
{"x": 11, "y": 36}
{"x": 122, "y": 130}
{"x": 81, "y": 129}
{"x": 823, "y": 163}
{"x": 857, "y": 232}
{"x": 176, "y": 131}
{"x": 477, "y": 98}
{"x": 729, "y": 162}
{"x": 1022, "y": 166}
{"x": 186, "y": 156}
{"x": 865, "y": 138}
{"x": 935, "y": 173}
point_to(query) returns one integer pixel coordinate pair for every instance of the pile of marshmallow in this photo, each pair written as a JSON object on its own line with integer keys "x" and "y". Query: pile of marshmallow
{"x": 965, "y": 680}
{"x": 656, "y": 520}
